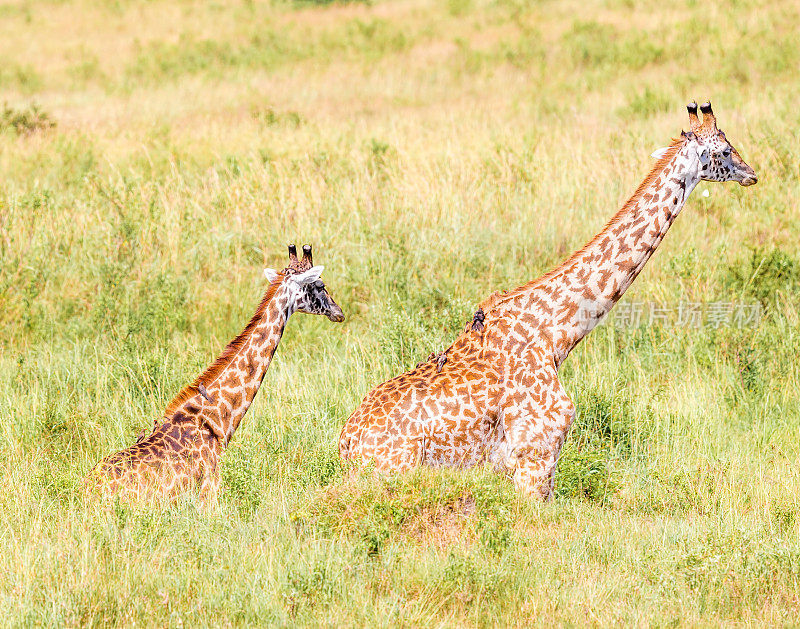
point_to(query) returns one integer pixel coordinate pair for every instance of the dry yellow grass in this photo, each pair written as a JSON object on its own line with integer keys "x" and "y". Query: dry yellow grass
{"x": 433, "y": 153}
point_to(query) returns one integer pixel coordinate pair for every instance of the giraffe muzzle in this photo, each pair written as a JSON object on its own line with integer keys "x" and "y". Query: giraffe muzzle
{"x": 749, "y": 179}
{"x": 745, "y": 175}
{"x": 336, "y": 315}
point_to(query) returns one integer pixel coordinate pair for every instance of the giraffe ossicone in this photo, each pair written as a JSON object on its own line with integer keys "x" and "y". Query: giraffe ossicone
{"x": 499, "y": 400}
{"x": 183, "y": 450}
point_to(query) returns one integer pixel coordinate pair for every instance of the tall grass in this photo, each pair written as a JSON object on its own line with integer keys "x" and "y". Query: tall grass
{"x": 155, "y": 157}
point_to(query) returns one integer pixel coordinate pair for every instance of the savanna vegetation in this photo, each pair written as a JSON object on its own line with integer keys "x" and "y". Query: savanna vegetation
{"x": 154, "y": 157}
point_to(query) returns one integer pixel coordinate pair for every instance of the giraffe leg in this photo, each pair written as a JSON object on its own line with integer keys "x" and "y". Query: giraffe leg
{"x": 537, "y": 414}
{"x": 535, "y": 472}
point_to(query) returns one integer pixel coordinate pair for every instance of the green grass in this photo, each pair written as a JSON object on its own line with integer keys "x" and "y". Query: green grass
{"x": 155, "y": 157}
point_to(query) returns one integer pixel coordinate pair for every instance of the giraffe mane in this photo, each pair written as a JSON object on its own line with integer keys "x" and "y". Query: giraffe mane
{"x": 227, "y": 355}
{"x": 498, "y": 298}
{"x": 661, "y": 163}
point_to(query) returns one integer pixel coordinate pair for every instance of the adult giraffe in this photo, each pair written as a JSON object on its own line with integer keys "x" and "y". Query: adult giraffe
{"x": 494, "y": 395}
{"x": 183, "y": 450}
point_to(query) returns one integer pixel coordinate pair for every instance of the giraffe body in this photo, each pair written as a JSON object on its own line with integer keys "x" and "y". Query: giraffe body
{"x": 497, "y": 398}
{"x": 178, "y": 457}
{"x": 182, "y": 452}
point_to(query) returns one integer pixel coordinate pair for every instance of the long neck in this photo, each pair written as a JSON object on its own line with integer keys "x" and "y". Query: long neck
{"x": 585, "y": 287}
{"x": 221, "y": 395}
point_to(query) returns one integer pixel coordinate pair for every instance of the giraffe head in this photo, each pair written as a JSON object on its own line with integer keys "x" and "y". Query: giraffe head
{"x": 305, "y": 290}
{"x": 717, "y": 159}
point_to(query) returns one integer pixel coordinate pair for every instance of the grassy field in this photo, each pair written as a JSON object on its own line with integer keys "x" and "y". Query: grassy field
{"x": 154, "y": 157}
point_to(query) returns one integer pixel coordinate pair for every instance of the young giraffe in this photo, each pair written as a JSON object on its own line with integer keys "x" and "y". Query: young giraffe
{"x": 494, "y": 395}
{"x": 183, "y": 451}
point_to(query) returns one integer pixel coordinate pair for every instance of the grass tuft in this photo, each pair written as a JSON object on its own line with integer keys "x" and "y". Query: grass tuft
{"x": 25, "y": 121}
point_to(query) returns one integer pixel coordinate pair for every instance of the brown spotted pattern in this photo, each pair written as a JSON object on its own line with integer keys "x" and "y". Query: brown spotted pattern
{"x": 496, "y": 398}
{"x": 182, "y": 452}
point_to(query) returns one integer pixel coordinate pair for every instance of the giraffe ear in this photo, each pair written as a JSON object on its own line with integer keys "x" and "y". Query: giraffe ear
{"x": 271, "y": 275}
{"x": 312, "y": 275}
{"x": 659, "y": 153}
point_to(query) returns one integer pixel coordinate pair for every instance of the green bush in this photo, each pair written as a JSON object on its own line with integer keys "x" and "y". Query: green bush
{"x": 765, "y": 276}
{"x": 26, "y": 120}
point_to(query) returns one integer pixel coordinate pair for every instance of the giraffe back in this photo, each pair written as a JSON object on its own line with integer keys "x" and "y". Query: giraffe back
{"x": 175, "y": 458}
{"x": 444, "y": 403}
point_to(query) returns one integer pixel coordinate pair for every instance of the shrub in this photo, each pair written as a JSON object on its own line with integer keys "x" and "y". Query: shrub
{"x": 271, "y": 118}
{"x": 240, "y": 482}
{"x": 764, "y": 276}
{"x": 605, "y": 421}
{"x": 25, "y": 121}
{"x": 605, "y": 430}
{"x": 586, "y": 474}
{"x": 320, "y": 467}
{"x": 429, "y": 506}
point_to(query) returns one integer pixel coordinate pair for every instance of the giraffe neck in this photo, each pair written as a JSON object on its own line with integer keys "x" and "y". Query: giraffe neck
{"x": 221, "y": 395}
{"x": 584, "y": 288}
